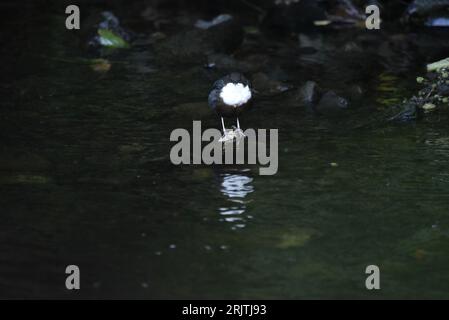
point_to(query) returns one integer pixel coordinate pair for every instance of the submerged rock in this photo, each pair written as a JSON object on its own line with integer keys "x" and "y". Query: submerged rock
{"x": 308, "y": 95}
{"x": 424, "y": 7}
{"x": 434, "y": 95}
{"x": 331, "y": 103}
{"x": 289, "y": 15}
{"x": 194, "y": 45}
{"x": 109, "y": 33}
{"x": 266, "y": 85}
{"x": 408, "y": 111}
{"x": 430, "y": 13}
{"x": 319, "y": 101}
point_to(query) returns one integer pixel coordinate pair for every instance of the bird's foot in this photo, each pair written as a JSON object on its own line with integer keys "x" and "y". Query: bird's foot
{"x": 231, "y": 134}
{"x": 228, "y": 135}
{"x": 239, "y": 133}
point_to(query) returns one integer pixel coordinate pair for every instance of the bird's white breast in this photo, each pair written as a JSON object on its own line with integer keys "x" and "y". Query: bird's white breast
{"x": 235, "y": 94}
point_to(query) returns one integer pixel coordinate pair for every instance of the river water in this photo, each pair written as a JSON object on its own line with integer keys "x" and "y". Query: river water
{"x": 86, "y": 179}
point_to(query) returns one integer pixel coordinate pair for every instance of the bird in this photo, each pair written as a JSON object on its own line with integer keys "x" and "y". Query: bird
{"x": 230, "y": 97}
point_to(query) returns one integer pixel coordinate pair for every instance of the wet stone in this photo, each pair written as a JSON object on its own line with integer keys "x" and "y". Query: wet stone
{"x": 195, "y": 44}
{"x": 266, "y": 85}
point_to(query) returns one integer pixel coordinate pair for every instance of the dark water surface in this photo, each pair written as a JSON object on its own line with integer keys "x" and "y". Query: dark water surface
{"x": 86, "y": 179}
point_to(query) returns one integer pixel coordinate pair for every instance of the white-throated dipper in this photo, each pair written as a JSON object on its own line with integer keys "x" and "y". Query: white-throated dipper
{"x": 230, "y": 96}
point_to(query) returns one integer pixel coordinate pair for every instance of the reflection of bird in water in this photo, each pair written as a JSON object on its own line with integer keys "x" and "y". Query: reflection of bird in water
{"x": 230, "y": 96}
{"x": 235, "y": 186}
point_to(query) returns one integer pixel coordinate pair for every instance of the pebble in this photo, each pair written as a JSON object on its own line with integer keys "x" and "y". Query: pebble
{"x": 428, "y": 106}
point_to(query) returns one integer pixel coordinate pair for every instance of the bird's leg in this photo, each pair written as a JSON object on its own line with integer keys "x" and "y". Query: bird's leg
{"x": 239, "y": 131}
{"x": 227, "y": 136}
{"x": 222, "y": 123}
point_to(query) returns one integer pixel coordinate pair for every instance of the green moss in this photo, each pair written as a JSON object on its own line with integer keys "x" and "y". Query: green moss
{"x": 111, "y": 40}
